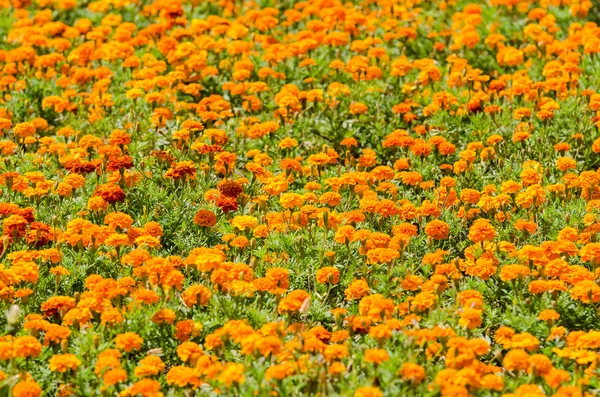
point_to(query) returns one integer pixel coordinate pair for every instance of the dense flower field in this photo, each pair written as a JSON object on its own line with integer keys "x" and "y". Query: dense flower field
{"x": 280, "y": 198}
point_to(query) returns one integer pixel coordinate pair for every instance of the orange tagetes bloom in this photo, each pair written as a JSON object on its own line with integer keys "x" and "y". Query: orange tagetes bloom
{"x": 128, "y": 341}
{"x": 437, "y": 230}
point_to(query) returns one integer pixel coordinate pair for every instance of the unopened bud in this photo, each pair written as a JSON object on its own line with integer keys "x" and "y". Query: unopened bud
{"x": 13, "y": 314}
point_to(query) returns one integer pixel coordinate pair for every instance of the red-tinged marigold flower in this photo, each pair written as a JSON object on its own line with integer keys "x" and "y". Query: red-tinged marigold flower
{"x": 349, "y": 142}
{"x": 279, "y": 277}
{"x": 56, "y": 305}
{"x": 205, "y": 218}
{"x": 230, "y": 188}
{"x": 180, "y": 170}
{"x": 227, "y": 204}
{"x": 110, "y": 192}
{"x": 81, "y": 167}
{"x": 184, "y": 329}
{"x": 120, "y": 163}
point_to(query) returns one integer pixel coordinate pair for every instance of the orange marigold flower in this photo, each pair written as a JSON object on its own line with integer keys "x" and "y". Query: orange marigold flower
{"x": 64, "y": 362}
{"x": 183, "y": 376}
{"x": 27, "y": 388}
{"x": 493, "y": 382}
{"x": 114, "y": 376}
{"x": 481, "y": 230}
{"x": 26, "y": 346}
{"x": 232, "y": 373}
{"x": 196, "y": 295}
{"x": 548, "y": 315}
{"x": 357, "y": 289}
{"x": 328, "y": 274}
{"x": 413, "y": 372}
{"x": 470, "y": 317}
{"x": 596, "y": 146}
{"x": 368, "y": 391}
{"x": 382, "y": 255}
{"x": 511, "y": 272}
{"x": 244, "y": 222}
{"x": 295, "y": 301}
{"x": 129, "y": 341}
{"x": 148, "y": 366}
{"x": 437, "y": 230}
{"x": 279, "y": 277}
{"x": 539, "y": 364}
{"x": 144, "y": 387}
{"x": 290, "y": 200}
{"x": 423, "y": 301}
{"x": 376, "y": 356}
{"x": 189, "y": 351}
{"x": 517, "y": 359}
